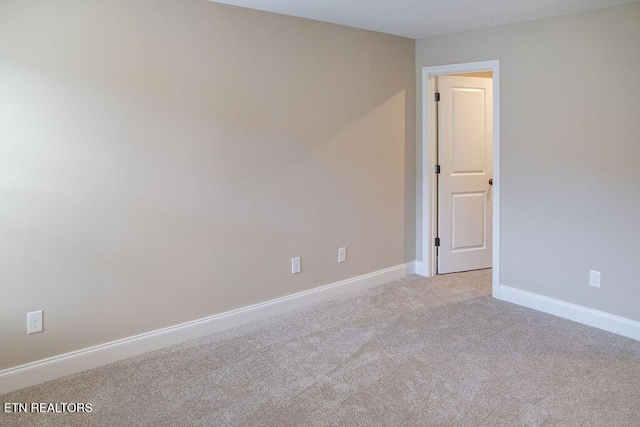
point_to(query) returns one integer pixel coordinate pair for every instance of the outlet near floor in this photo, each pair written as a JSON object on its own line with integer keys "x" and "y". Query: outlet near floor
{"x": 34, "y": 322}
{"x": 594, "y": 278}
{"x": 296, "y": 266}
{"x": 342, "y": 254}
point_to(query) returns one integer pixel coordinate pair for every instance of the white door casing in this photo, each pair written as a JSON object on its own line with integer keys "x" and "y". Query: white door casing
{"x": 465, "y": 156}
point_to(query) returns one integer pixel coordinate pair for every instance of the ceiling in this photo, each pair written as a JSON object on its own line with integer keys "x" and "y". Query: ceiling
{"x": 424, "y": 18}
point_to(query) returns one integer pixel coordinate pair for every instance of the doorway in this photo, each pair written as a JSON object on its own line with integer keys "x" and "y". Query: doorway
{"x": 474, "y": 244}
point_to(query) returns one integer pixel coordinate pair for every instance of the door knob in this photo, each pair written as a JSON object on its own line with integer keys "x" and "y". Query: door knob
{"x": 491, "y": 181}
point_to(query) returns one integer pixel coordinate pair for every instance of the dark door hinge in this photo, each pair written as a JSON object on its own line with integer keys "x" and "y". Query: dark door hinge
{"x": 437, "y": 241}
{"x": 437, "y": 168}
{"x": 437, "y": 96}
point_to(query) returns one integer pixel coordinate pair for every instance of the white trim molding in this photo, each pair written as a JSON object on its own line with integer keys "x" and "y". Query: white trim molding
{"x": 77, "y": 361}
{"x": 421, "y": 269}
{"x": 426, "y": 222}
{"x": 587, "y": 316}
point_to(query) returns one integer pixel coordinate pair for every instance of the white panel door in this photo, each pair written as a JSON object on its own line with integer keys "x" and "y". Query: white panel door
{"x": 465, "y": 155}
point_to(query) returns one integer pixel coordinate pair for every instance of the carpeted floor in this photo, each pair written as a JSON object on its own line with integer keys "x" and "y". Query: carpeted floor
{"x": 417, "y": 351}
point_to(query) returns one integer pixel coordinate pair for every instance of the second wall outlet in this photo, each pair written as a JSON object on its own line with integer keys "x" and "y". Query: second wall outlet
{"x": 594, "y": 278}
{"x": 34, "y": 322}
{"x": 296, "y": 266}
{"x": 342, "y": 254}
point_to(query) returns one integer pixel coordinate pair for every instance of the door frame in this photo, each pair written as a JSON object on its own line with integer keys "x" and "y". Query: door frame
{"x": 427, "y": 189}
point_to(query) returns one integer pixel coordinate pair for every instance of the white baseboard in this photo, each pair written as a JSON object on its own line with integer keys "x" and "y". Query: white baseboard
{"x": 77, "y": 361}
{"x": 421, "y": 269}
{"x": 587, "y": 316}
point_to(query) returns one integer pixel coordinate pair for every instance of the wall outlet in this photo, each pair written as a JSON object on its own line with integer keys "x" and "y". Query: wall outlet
{"x": 34, "y": 322}
{"x": 594, "y": 278}
{"x": 342, "y": 254}
{"x": 296, "y": 266}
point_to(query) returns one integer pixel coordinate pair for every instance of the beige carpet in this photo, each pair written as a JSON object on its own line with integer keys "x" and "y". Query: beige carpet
{"x": 412, "y": 352}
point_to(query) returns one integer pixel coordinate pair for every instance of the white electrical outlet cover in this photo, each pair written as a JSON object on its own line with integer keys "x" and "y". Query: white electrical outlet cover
{"x": 594, "y": 278}
{"x": 295, "y": 265}
{"x": 342, "y": 254}
{"x": 34, "y": 322}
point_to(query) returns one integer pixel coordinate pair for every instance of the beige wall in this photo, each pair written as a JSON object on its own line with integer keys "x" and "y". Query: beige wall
{"x": 570, "y": 126}
{"x": 162, "y": 161}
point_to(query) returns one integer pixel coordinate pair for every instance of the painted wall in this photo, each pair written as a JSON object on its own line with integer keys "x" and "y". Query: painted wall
{"x": 163, "y": 161}
{"x": 570, "y": 181}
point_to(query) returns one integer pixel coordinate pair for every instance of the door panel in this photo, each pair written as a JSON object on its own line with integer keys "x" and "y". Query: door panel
{"x": 467, "y": 133}
{"x": 465, "y": 155}
{"x": 468, "y": 216}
